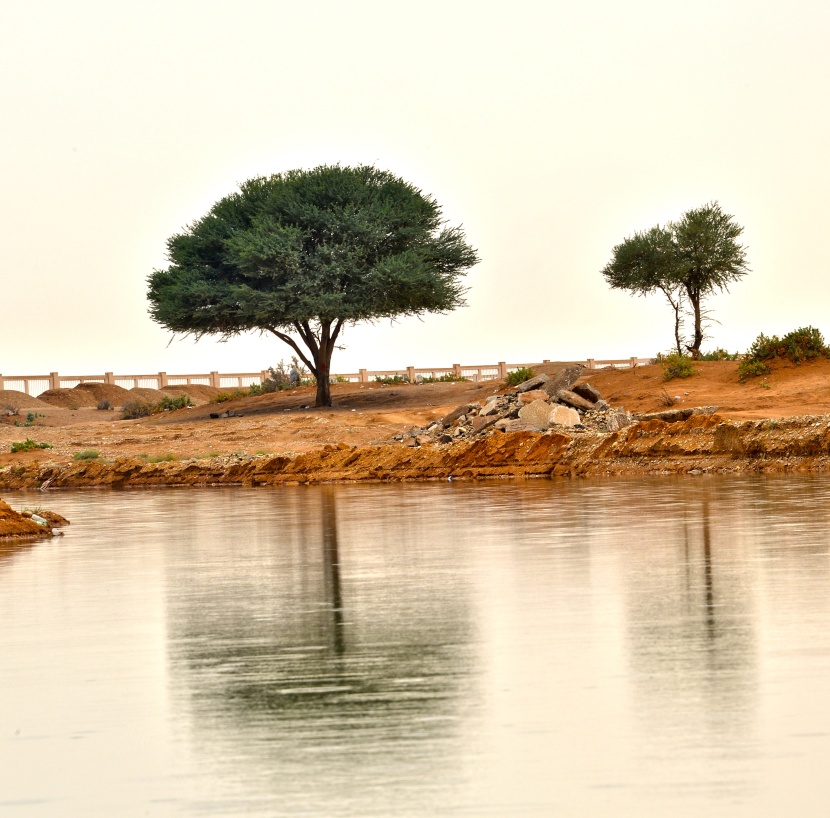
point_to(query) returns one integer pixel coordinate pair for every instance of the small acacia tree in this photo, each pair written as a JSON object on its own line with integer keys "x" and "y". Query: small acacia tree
{"x": 685, "y": 260}
{"x": 303, "y": 253}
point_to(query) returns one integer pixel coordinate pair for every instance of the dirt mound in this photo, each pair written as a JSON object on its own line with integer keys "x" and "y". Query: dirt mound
{"x": 19, "y": 400}
{"x": 13, "y": 524}
{"x": 199, "y": 393}
{"x": 86, "y": 395}
{"x": 145, "y": 393}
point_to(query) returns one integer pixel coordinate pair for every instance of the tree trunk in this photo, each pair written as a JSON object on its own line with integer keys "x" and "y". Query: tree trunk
{"x": 322, "y": 375}
{"x": 694, "y": 349}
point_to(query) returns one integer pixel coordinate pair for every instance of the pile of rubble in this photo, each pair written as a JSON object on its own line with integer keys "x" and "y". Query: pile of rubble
{"x": 536, "y": 405}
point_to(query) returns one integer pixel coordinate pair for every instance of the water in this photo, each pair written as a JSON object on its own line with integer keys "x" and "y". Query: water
{"x": 630, "y": 647}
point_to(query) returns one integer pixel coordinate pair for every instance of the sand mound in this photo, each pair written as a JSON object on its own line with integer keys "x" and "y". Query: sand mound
{"x": 20, "y": 400}
{"x": 86, "y": 395}
{"x": 199, "y": 393}
{"x": 146, "y": 393}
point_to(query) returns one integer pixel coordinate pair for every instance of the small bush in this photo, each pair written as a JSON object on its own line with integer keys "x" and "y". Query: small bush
{"x": 447, "y": 377}
{"x": 11, "y": 410}
{"x": 168, "y": 404}
{"x": 226, "y": 396}
{"x": 104, "y": 405}
{"x": 137, "y": 409}
{"x": 719, "y": 355}
{"x": 518, "y": 376}
{"x": 161, "y": 458}
{"x": 803, "y": 344}
{"x": 677, "y": 366}
{"x": 87, "y": 454}
{"x": 27, "y": 445}
{"x": 391, "y": 379}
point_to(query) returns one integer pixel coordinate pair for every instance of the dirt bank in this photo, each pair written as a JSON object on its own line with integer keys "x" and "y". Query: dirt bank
{"x": 28, "y": 525}
{"x": 773, "y": 425}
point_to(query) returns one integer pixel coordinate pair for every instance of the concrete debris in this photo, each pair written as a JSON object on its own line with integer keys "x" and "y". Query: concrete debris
{"x": 576, "y": 408}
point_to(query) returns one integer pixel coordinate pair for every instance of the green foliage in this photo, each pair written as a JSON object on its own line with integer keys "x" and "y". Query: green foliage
{"x": 141, "y": 408}
{"x": 677, "y": 366}
{"x": 686, "y": 260}
{"x": 87, "y": 454}
{"x": 27, "y": 445}
{"x": 159, "y": 458}
{"x": 302, "y": 253}
{"x": 222, "y": 397}
{"x": 803, "y": 344}
{"x": 391, "y": 379}
{"x": 719, "y": 355}
{"x": 104, "y": 405}
{"x": 30, "y": 419}
{"x": 518, "y": 376}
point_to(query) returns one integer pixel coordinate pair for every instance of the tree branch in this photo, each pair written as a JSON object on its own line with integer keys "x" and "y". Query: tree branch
{"x": 293, "y": 344}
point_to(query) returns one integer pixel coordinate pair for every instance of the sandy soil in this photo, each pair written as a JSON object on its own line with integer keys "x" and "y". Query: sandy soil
{"x": 287, "y": 423}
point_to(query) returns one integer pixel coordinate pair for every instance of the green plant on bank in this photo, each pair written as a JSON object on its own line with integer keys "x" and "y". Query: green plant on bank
{"x": 677, "y": 366}
{"x": 27, "y": 445}
{"x": 803, "y": 344}
{"x": 719, "y": 355}
{"x": 447, "y": 377}
{"x": 518, "y": 376}
{"x": 226, "y": 396}
{"x": 159, "y": 458}
{"x": 87, "y": 454}
{"x": 391, "y": 379}
{"x": 141, "y": 408}
{"x": 765, "y": 384}
{"x": 30, "y": 419}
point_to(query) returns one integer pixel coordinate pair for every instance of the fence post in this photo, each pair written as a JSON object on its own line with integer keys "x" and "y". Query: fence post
{"x": 162, "y": 379}
{"x": 1, "y": 382}
{"x": 364, "y": 378}
{"x": 592, "y": 364}
{"x": 456, "y": 370}
{"x": 502, "y": 370}
{"x": 263, "y": 376}
{"x": 54, "y": 380}
{"x": 108, "y": 378}
{"x": 410, "y": 374}
{"x": 633, "y": 362}
{"x": 214, "y": 379}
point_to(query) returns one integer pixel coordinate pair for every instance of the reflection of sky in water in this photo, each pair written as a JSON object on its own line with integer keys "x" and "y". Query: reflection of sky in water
{"x": 626, "y": 647}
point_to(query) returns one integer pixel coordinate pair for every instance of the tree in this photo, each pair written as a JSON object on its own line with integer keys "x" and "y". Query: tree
{"x": 685, "y": 260}
{"x": 303, "y": 253}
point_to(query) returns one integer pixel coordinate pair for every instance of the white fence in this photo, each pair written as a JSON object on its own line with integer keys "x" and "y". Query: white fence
{"x": 36, "y": 384}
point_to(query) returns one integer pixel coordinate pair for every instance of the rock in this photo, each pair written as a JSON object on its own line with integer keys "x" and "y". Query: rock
{"x": 602, "y": 406}
{"x": 445, "y": 438}
{"x": 572, "y": 399}
{"x": 563, "y": 416}
{"x": 564, "y": 379}
{"x": 617, "y": 421}
{"x": 482, "y": 422}
{"x": 587, "y": 391}
{"x": 415, "y": 431}
{"x": 490, "y": 408}
{"x": 532, "y": 395}
{"x": 435, "y": 426}
{"x": 423, "y": 440}
{"x": 670, "y": 415}
{"x": 411, "y": 442}
{"x": 517, "y": 425}
{"x": 456, "y": 413}
{"x": 704, "y": 410}
{"x": 536, "y": 414}
{"x": 531, "y": 383}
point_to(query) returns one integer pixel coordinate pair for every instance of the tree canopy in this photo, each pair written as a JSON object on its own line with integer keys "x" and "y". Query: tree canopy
{"x": 686, "y": 260}
{"x": 303, "y": 253}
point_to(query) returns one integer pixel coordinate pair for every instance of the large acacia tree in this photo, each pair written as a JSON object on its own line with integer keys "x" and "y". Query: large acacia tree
{"x": 686, "y": 260}
{"x": 301, "y": 254}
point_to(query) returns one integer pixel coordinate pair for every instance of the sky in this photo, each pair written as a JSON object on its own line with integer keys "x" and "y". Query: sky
{"x": 549, "y": 130}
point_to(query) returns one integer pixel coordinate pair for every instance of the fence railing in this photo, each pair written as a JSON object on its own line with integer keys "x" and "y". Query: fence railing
{"x": 36, "y": 384}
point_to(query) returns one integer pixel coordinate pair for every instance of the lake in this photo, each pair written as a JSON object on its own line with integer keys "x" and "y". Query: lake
{"x": 629, "y": 647}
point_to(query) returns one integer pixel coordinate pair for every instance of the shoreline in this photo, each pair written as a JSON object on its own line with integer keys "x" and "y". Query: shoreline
{"x": 699, "y": 445}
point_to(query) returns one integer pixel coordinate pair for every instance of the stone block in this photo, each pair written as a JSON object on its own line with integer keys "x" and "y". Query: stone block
{"x": 563, "y": 416}
{"x": 617, "y": 421}
{"x": 536, "y": 414}
{"x": 532, "y": 383}
{"x": 483, "y": 421}
{"x": 517, "y": 425}
{"x": 456, "y": 413}
{"x": 587, "y": 391}
{"x": 532, "y": 395}
{"x": 490, "y": 408}
{"x": 572, "y": 399}
{"x": 564, "y": 379}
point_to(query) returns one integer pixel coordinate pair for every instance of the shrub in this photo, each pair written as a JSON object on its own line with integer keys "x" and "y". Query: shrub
{"x": 168, "y": 404}
{"x": 677, "y": 366}
{"x": 137, "y": 409}
{"x": 518, "y": 376}
{"x": 27, "y": 445}
{"x": 281, "y": 377}
{"x": 141, "y": 408}
{"x": 226, "y": 396}
{"x": 104, "y": 404}
{"x": 447, "y": 377}
{"x": 719, "y": 355}
{"x": 30, "y": 419}
{"x": 803, "y": 344}
{"x": 390, "y": 379}
{"x": 87, "y": 454}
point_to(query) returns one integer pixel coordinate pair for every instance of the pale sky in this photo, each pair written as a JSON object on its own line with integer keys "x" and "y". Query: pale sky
{"x": 550, "y": 130}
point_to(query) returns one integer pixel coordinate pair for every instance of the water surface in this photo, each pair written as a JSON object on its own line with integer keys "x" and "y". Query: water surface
{"x": 629, "y": 647}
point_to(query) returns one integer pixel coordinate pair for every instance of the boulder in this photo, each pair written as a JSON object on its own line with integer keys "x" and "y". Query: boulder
{"x": 532, "y": 395}
{"x": 456, "y": 413}
{"x": 563, "y": 416}
{"x": 585, "y": 390}
{"x": 617, "y": 421}
{"x": 490, "y": 408}
{"x": 517, "y": 425}
{"x": 536, "y": 414}
{"x": 423, "y": 440}
{"x": 483, "y": 421}
{"x": 572, "y": 399}
{"x": 532, "y": 383}
{"x": 564, "y": 379}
